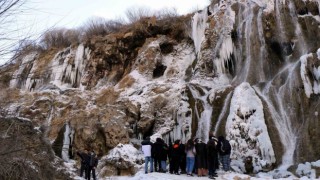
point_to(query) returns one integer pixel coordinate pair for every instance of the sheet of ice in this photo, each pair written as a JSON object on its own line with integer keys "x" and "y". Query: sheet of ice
{"x": 247, "y": 131}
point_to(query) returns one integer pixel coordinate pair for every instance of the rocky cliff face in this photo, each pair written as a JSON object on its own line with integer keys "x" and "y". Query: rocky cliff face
{"x": 248, "y": 70}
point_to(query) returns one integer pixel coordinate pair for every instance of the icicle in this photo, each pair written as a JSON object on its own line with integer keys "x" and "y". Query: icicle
{"x": 199, "y": 24}
{"x": 140, "y": 136}
{"x": 263, "y": 44}
{"x": 66, "y": 143}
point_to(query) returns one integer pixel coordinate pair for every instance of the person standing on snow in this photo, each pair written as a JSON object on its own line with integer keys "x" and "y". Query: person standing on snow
{"x": 190, "y": 156}
{"x": 164, "y": 156}
{"x": 212, "y": 156}
{"x": 84, "y": 156}
{"x": 201, "y": 151}
{"x": 146, "y": 149}
{"x": 157, "y": 150}
{"x": 176, "y": 156}
{"x": 224, "y": 149}
{"x": 93, "y": 162}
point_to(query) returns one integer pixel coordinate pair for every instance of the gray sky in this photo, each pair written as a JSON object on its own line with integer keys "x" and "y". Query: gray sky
{"x": 43, "y": 14}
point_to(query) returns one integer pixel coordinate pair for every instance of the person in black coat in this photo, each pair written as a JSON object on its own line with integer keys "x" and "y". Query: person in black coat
{"x": 84, "y": 156}
{"x": 176, "y": 157}
{"x": 201, "y": 151}
{"x": 93, "y": 162}
{"x": 212, "y": 156}
{"x": 157, "y": 150}
{"x": 224, "y": 149}
{"x": 183, "y": 162}
{"x": 164, "y": 156}
{"x": 170, "y": 150}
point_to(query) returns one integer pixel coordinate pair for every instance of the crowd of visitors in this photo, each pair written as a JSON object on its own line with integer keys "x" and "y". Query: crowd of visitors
{"x": 196, "y": 157}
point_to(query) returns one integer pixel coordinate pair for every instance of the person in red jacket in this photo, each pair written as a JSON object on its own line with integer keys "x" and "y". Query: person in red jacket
{"x": 176, "y": 156}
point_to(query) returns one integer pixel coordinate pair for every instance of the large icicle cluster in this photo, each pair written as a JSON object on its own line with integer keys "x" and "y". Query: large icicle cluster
{"x": 26, "y": 66}
{"x": 311, "y": 84}
{"x": 247, "y": 131}
{"x": 199, "y": 24}
{"x": 68, "y": 66}
{"x": 65, "y": 70}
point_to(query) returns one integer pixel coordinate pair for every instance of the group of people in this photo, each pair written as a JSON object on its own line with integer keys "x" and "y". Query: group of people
{"x": 193, "y": 157}
{"x": 89, "y": 162}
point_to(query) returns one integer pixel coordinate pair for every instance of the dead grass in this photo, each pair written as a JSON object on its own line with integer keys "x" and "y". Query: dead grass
{"x": 43, "y": 60}
{"x": 8, "y": 95}
{"x": 107, "y": 96}
{"x": 126, "y": 82}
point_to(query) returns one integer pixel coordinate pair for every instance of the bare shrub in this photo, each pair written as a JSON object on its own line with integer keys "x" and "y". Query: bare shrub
{"x": 5, "y": 79}
{"x": 9, "y": 37}
{"x": 166, "y": 13}
{"x": 59, "y": 38}
{"x": 136, "y": 13}
{"x": 98, "y": 26}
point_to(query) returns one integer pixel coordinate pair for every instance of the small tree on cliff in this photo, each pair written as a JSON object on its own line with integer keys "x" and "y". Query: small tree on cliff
{"x": 9, "y": 33}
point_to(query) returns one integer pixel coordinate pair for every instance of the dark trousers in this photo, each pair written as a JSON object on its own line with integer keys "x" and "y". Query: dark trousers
{"x": 175, "y": 164}
{"x": 157, "y": 164}
{"x": 212, "y": 169}
{"x": 93, "y": 170}
{"x": 183, "y": 164}
{"x": 170, "y": 166}
{"x": 83, "y": 169}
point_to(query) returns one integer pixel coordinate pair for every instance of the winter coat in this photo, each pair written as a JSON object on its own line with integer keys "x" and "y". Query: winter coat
{"x": 157, "y": 149}
{"x": 212, "y": 153}
{"x": 191, "y": 152}
{"x": 176, "y": 151}
{"x": 85, "y": 158}
{"x": 93, "y": 161}
{"x": 223, "y": 146}
{"x": 146, "y": 148}
{"x": 201, "y": 152}
{"x": 164, "y": 152}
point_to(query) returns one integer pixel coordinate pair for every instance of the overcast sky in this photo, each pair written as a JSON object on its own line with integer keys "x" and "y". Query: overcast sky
{"x": 43, "y": 14}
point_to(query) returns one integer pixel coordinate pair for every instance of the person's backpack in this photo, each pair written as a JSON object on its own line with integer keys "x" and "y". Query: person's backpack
{"x": 226, "y": 147}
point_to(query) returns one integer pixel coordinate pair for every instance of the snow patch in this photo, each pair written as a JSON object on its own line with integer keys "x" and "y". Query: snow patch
{"x": 306, "y": 170}
{"x": 125, "y": 151}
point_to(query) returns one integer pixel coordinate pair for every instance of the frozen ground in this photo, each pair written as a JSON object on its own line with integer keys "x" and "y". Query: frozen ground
{"x": 221, "y": 176}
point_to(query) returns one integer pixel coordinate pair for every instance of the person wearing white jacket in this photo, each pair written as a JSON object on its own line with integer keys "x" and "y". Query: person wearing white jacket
{"x": 146, "y": 146}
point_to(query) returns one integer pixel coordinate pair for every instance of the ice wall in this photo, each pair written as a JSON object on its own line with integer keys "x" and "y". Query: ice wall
{"x": 247, "y": 131}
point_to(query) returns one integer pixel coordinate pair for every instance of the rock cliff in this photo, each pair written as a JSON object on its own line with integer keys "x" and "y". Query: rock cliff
{"x": 248, "y": 70}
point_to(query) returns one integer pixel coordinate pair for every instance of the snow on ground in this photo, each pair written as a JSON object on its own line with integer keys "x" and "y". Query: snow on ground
{"x": 221, "y": 176}
{"x": 276, "y": 174}
{"x": 164, "y": 176}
